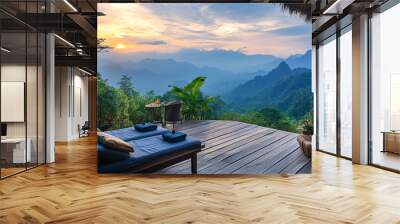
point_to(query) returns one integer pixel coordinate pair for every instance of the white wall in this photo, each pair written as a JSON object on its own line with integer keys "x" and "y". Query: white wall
{"x": 62, "y": 82}
{"x": 71, "y": 87}
{"x": 33, "y": 127}
{"x": 16, "y": 73}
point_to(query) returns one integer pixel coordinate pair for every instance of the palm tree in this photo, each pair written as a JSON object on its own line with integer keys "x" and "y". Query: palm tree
{"x": 101, "y": 46}
{"x": 195, "y": 105}
{"x": 303, "y": 10}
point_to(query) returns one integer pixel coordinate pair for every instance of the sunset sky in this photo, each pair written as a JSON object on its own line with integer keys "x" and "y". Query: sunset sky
{"x": 252, "y": 28}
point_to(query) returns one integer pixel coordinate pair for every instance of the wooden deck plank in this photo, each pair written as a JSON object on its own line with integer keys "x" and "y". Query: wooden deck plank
{"x": 226, "y": 139}
{"x": 236, "y": 147}
{"x": 250, "y": 157}
{"x": 222, "y": 130}
{"x": 263, "y": 163}
{"x": 208, "y": 133}
{"x": 199, "y": 128}
{"x": 219, "y": 153}
{"x": 239, "y": 138}
{"x": 297, "y": 164}
{"x": 215, "y": 153}
{"x": 242, "y": 160}
{"x": 306, "y": 168}
{"x": 284, "y": 162}
{"x": 231, "y": 156}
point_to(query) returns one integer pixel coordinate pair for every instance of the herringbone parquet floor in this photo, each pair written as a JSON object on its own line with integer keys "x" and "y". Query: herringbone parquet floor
{"x": 70, "y": 191}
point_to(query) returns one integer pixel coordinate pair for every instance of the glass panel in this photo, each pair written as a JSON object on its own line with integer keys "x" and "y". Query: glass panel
{"x": 31, "y": 98}
{"x": 32, "y": 88}
{"x": 327, "y": 96}
{"x": 23, "y": 90}
{"x": 385, "y": 89}
{"x": 13, "y": 87}
{"x": 346, "y": 94}
{"x": 41, "y": 98}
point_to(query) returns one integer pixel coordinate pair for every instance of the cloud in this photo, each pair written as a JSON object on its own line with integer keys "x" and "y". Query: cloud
{"x": 262, "y": 28}
{"x": 152, "y": 42}
{"x": 293, "y": 30}
{"x": 241, "y": 49}
{"x": 245, "y": 12}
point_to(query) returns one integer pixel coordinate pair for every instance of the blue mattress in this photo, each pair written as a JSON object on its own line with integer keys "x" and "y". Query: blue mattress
{"x": 128, "y": 134}
{"x": 147, "y": 150}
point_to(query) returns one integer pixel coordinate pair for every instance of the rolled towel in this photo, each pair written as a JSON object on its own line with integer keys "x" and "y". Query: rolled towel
{"x": 144, "y": 127}
{"x": 174, "y": 136}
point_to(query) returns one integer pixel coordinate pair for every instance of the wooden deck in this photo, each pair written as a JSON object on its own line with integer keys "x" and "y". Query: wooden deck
{"x": 233, "y": 147}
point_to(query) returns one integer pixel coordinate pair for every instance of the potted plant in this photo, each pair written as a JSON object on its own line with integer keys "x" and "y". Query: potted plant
{"x": 307, "y": 131}
{"x": 307, "y": 128}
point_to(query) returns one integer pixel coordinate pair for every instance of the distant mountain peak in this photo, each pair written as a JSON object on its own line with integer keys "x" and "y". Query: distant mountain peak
{"x": 300, "y": 60}
{"x": 283, "y": 66}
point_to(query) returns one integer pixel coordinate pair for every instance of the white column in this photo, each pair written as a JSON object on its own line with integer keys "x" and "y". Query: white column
{"x": 360, "y": 90}
{"x": 63, "y": 100}
{"x": 50, "y": 101}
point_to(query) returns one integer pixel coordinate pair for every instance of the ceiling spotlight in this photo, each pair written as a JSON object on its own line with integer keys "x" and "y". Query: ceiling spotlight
{"x": 65, "y": 41}
{"x": 84, "y": 71}
{"x": 5, "y": 50}
{"x": 337, "y": 7}
{"x": 70, "y": 5}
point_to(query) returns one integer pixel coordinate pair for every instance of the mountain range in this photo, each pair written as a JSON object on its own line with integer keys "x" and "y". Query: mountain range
{"x": 286, "y": 89}
{"x": 225, "y": 70}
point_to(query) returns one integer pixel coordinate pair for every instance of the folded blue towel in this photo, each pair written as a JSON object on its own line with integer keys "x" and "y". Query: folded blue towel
{"x": 172, "y": 136}
{"x": 144, "y": 127}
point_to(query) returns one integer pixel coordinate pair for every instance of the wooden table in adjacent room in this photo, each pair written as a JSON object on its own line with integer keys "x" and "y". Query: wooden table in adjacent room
{"x": 391, "y": 141}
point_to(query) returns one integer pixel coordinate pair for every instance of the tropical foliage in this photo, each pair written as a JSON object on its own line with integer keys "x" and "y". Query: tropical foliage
{"x": 306, "y": 125}
{"x": 123, "y": 106}
{"x": 196, "y": 106}
{"x": 112, "y": 105}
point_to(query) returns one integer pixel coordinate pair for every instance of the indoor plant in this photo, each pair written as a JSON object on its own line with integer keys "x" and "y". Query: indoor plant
{"x": 307, "y": 131}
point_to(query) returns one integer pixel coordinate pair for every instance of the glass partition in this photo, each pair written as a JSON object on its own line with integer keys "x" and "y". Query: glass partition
{"x": 22, "y": 78}
{"x": 385, "y": 89}
{"x": 41, "y": 97}
{"x": 327, "y": 95}
{"x": 346, "y": 92}
{"x": 31, "y": 97}
{"x": 13, "y": 90}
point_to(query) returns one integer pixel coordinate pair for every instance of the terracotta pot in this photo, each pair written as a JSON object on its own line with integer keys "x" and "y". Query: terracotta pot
{"x": 307, "y": 137}
{"x": 305, "y": 144}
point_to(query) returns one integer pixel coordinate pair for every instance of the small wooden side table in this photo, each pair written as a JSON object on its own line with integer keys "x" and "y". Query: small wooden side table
{"x": 391, "y": 141}
{"x": 153, "y": 109}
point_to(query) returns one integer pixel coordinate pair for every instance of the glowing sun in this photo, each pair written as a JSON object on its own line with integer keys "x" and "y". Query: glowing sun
{"x": 120, "y": 46}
